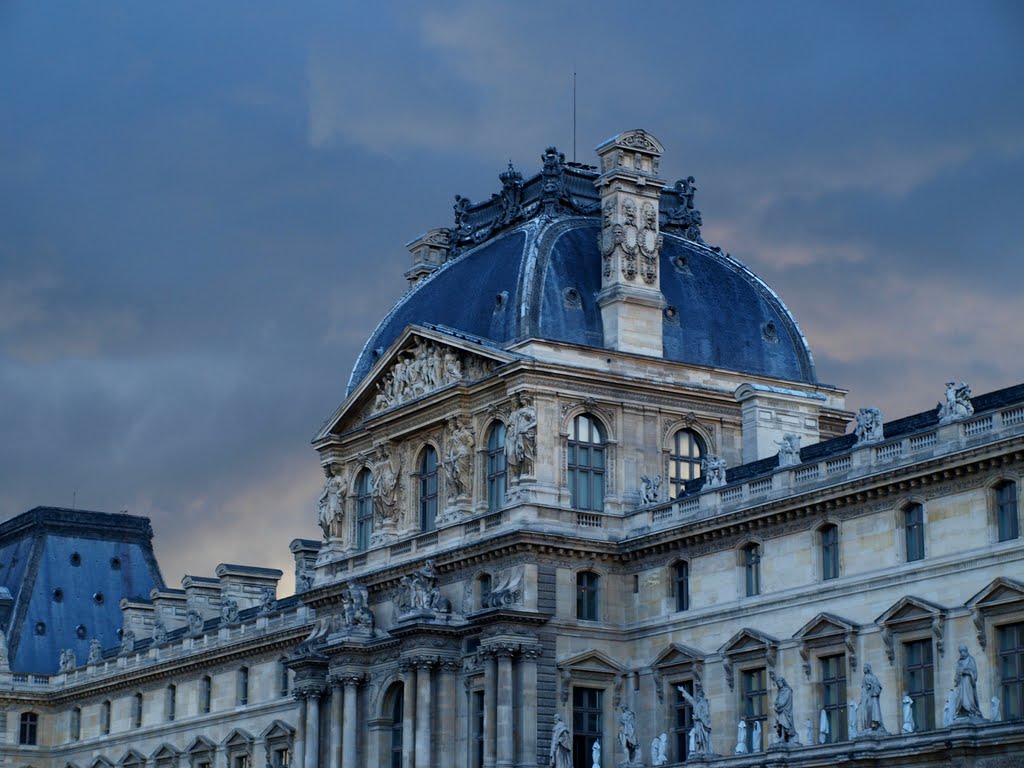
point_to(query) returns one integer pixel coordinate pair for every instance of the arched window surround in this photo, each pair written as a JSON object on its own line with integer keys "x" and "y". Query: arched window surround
{"x": 362, "y": 519}
{"x": 428, "y": 486}
{"x": 495, "y": 465}
{"x": 588, "y": 594}
{"x": 824, "y": 568}
{"x": 606, "y": 418}
{"x": 1004, "y": 527}
{"x": 588, "y": 462}
{"x": 916, "y": 538}
{"x": 749, "y": 557}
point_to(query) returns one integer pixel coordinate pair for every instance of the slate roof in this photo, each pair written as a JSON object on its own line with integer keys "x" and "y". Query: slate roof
{"x": 67, "y": 571}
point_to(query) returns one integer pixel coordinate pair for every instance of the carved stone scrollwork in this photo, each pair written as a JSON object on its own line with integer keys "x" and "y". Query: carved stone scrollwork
{"x": 565, "y": 684}
{"x": 659, "y": 688}
{"x": 887, "y": 641}
{"x": 727, "y": 668}
{"x": 978, "y": 619}
{"x": 630, "y": 238}
{"x": 649, "y": 241}
{"x": 684, "y": 215}
{"x": 506, "y": 591}
{"x": 938, "y": 632}
{"x": 309, "y": 688}
{"x": 617, "y": 692}
{"x": 805, "y": 660}
{"x": 851, "y": 651}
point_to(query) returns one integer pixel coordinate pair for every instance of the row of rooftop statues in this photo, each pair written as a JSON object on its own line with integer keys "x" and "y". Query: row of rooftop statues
{"x": 962, "y": 707}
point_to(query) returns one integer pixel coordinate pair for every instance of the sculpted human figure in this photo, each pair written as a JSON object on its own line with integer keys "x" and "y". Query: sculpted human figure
{"x": 869, "y": 427}
{"x": 385, "y": 485}
{"x": 331, "y": 503}
{"x": 595, "y": 755}
{"x": 521, "y": 438}
{"x": 627, "y": 734}
{"x": 67, "y": 660}
{"x": 650, "y": 489}
{"x": 870, "y": 708}
{"x": 713, "y": 468}
{"x": 789, "y": 449}
{"x": 965, "y": 686}
{"x": 459, "y": 463}
{"x": 785, "y": 728}
{"x": 659, "y": 750}
{"x": 957, "y": 404}
{"x": 95, "y": 651}
{"x": 701, "y": 732}
{"x": 908, "y": 713}
{"x": 741, "y": 737}
{"x": 756, "y": 738}
{"x": 561, "y": 745}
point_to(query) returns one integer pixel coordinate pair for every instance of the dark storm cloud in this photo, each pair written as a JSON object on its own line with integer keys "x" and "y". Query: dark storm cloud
{"x": 202, "y": 210}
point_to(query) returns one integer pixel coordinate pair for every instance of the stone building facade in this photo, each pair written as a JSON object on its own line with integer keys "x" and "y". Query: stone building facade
{"x": 587, "y": 504}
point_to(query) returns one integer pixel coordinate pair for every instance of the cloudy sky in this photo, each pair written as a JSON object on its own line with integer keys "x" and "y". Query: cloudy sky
{"x": 203, "y": 208}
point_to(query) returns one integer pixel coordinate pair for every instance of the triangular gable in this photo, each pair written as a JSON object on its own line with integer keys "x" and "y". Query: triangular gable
{"x": 163, "y": 752}
{"x": 825, "y": 625}
{"x": 277, "y": 730}
{"x": 132, "y": 757}
{"x": 238, "y": 738}
{"x": 910, "y": 609}
{"x": 677, "y": 654}
{"x": 475, "y": 359}
{"x": 594, "y": 662}
{"x": 101, "y": 762}
{"x": 70, "y": 765}
{"x": 748, "y": 641}
{"x": 200, "y": 745}
{"x": 1000, "y": 594}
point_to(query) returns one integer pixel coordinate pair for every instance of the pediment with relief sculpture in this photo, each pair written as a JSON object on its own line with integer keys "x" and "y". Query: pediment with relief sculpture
{"x": 422, "y": 361}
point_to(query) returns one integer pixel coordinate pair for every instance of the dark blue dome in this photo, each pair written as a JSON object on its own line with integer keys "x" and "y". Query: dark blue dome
{"x": 541, "y": 280}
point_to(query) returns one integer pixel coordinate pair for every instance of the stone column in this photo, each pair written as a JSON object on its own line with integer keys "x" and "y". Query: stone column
{"x": 446, "y": 715}
{"x": 526, "y": 722}
{"x": 408, "y": 717}
{"x": 313, "y": 729}
{"x": 424, "y": 713}
{"x": 506, "y": 748}
{"x": 334, "y": 756}
{"x": 351, "y": 731}
{"x": 300, "y": 731}
{"x": 490, "y": 699}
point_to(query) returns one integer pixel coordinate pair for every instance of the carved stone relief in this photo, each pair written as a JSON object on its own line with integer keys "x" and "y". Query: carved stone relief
{"x": 424, "y": 368}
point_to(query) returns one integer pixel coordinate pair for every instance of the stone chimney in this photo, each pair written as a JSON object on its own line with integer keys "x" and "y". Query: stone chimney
{"x": 631, "y": 301}
{"x": 429, "y": 251}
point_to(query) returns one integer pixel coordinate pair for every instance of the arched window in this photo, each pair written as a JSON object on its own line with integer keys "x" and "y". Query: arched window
{"x": 243, "y": 686}
{"x": 394, "y": 709}
{"x": 684, "y": 460}
{"x": 1007, "y": 517}
{"x": 28, "y": 729}
{"x": 428, "y": 489}
{"x": 76, "y": 724}
{"x": 830, "y": 552}
{"x": 586, "y": 463}
{"x": 588, "y": 587}
{"x": 497, "y": 469}
{"x": 752, "y": 569}
{"x": 172, "y": 701}
{"x": 913, "y": 529}
{"x": 283, "y": 682}
{"x": 364, "y": 509}
{"x": 484, "y": 588}
{"x": 681, "y": 585}
{"x": 205, "y": 695}
{"x": 137, "y": 711}
{"x": 105, "y": 718}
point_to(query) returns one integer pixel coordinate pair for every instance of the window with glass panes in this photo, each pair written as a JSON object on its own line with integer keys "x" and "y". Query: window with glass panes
{"x": 913, "y": 529}
{"x": 281, "y": 757}
{"x": 497, "y": 468}
{"x": 484, "y": 582}
{"x": 588, "y": 585}
{"x": 684, "y": 461}
{"x": 1007, "y": 519}
{"x": 682, "y": 720}
{"x": 833, "y": 695}
{"x": 1011, "y": 670}
{"x": 478, "y": 729}
{"x": 28, "y": 728}
{"x": 586, "y": 464}
{"x": 830, "y": 552}
{"x": 364, "y": 509}
{"x": 76, "y": 724}
{"x": 754, "y": 703}
{"x": 105, "y": 718}
{"x": 752, "y": 569}
{"x": 587, "y": 714}
{"x": 172, "y": 701}
{"x": 206, "y": 694}
{"x": 428, "y": 489}
{"x": 397, "y": 724}
{"x": 919, "y": 681}
{"x": 243, "y": 686}
{"x": 137, "y": 711}
{"x": 681, "y": 585}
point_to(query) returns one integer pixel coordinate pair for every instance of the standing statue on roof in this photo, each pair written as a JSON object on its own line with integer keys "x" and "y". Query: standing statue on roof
{"x": 869, "y": 426}
{"x": 957, "y": 404}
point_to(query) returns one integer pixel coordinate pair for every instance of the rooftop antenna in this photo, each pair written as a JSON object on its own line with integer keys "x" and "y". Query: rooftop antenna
{"x": 574, "y": 117}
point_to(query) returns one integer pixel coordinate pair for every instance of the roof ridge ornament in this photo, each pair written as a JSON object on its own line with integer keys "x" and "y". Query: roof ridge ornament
{"x": 685, "y": 215}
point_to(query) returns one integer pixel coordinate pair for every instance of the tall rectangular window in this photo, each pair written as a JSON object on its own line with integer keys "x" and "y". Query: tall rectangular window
{"x": 1007, "y": 519}
{"x": 105, "y": 718}
{"x": 586, "y": 464}
{"x": 137, "y": 711}
{"x": 497, "y": 467}
{"x": 205, "y": 695}
{"x": 830, "y": 552}
{"x": 428, "y": 489}
{"x": 478, "y": 729}
{"x": 681, "y": 585}
{"x": 913, "y": 528}
{"x": 754, "y": 704}
{"x": 833, "y": 695}
{"x": 588, "y": 585}
{"x": 587, "y": 716}
{"x": 28, "y": 728}
{"x": 172, "y": 701}
{"x": 752, "y": 569}
{"x": 1011, "y": 670}
{"x": 76, "y": 724}
{"x": 243, "y": 686}
{"x": 682, "y": 720}
{"x": 364, "y": 510}
{"x": 919, "y": 681}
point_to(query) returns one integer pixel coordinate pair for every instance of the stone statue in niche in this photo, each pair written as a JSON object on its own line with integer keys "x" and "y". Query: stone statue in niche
{"x": 908, "y": 713}
{"x": 869, "y": 426}
{"x": 870, "y": 709}
{"x": 701, "y": 733}
{"x": 458, "y": 464}
{"x": 756, "y": 743}
{"x": 560, "y": 755}
{"x": 95, "y": 651}
{"x": 659, "y": 750}
{"x": 331, "y": 503}
{"x": 159, "y": 632}
{"x": 713, "y": 468}
{"x": 229, "y": 611}
{"x": 957, "y": 403}
{"x": 355, "y": 608}
{"x": 384, "y": 489}
{"x": 67, "y": 660}
{"x": 650, "y": 489}
{"x": 521, "y": 437}
{"x": 965, "y": 688}
{"x": 785, "y": 727}
{"x": 419, "y": 596}
{"x": 789, "y": 450}
{"x": 741, "y": 737}
{"x": 627, "y": 737}
{"x": 823, "y": 727}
